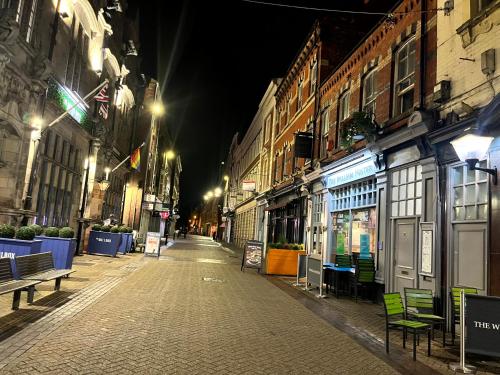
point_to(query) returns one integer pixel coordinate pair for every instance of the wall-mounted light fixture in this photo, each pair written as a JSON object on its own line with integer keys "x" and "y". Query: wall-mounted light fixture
{"x": 472, "y": 148}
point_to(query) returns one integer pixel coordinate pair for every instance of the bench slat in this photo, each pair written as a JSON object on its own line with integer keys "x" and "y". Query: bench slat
{"x": 48, "y": 275}
{"x": 5, "y": 270}
{"x": 14, "y": 285}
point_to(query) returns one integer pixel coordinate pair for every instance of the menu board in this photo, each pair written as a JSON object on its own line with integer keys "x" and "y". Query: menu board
{"x": 252, "y": 255}
{"x": 427, "y": 249}
{"x": 152, "y": 244}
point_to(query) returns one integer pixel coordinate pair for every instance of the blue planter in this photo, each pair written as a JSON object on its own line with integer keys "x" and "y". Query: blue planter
{"x": 62, "y": 250}
{"x": 104, "y": 243}
{"x": 11, "y": 248}
{"x": 126, "y": 244}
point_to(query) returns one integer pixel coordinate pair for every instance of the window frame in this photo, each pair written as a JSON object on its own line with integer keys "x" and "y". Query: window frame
{"x": 343, "y": 102}
{"x": 371, "y": 100}
{"x": 409, "y": 77}
{"x": 324, "y": 131}
{"x": 300, "y": 87}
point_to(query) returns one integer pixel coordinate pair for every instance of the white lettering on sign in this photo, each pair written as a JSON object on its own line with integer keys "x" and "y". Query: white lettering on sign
{"x": 6, "y": 254}
{"x": 357, "y": 172}
{"x": 487, "y": 325}
{"x": 99, "y": 239}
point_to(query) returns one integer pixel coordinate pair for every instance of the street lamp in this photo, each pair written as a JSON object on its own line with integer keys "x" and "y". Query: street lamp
{"x": 157, "y": 109}
{"x": 217, "y": 192}
{"x": 169, "y": 155}
{"x": 104, "y": 184}
{"x": 210, "y": 194}
{"x": 472, "y": 148}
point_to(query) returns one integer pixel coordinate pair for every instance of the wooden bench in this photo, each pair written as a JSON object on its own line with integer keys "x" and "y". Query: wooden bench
{"x": 8, "y": 284}
{"x": 39, "y": 267}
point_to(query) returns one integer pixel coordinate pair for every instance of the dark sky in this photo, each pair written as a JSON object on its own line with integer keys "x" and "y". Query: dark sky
{"x": 214, "y": 60}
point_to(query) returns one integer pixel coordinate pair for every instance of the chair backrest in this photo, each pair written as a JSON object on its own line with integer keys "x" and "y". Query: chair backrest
{"x": 5, "y": 270}
{"x": 343, "y": 260}
{"x": 35, "y": 263}
{"x": 419, "y": 301}
{"x": 365, "y": 271}
{"x": 393, "y": 305}
{"x": 455, "y": 298}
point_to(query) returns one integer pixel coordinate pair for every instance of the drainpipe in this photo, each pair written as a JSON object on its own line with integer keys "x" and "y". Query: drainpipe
{"x": 423, "y": 45}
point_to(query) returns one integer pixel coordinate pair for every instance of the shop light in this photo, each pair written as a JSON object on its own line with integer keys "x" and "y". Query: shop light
{"x": 472, "y": 148}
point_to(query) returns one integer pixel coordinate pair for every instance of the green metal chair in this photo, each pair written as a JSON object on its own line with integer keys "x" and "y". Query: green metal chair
{"x": 364, "y": 276}
{"x": 395, "y": 319}
{"x": 455, "y": 307}
{"x": 343, "y": 260}
{"x": 420, "y": 306}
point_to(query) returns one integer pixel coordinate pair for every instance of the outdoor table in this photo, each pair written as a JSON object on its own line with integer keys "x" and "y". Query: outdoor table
{"x": 337, "y": 271}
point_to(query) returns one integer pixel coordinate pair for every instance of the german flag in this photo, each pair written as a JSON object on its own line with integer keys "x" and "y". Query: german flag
{"x": 135, "y": 159}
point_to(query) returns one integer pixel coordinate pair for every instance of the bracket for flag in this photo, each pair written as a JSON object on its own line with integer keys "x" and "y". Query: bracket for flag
{"x": 124, "y": 160}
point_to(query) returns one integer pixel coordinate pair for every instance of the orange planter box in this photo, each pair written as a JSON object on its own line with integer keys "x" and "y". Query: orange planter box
{"x": 282, "y": 262}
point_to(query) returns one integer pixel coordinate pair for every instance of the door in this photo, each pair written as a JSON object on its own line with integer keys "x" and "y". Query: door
{"x": 470, "y": 256}
{"x": 405, "y": 254}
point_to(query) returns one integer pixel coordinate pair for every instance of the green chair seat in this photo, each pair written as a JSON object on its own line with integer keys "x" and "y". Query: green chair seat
{"x": 426, "y": 316}
{"x": 410, "y": 324}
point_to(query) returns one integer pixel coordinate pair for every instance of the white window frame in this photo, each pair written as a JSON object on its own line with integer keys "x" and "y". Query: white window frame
{"x": 314, "y": 76}
{"x": 268, "y": 127}
{"x": 369, "y": 99}
{"x": 404, "y": 181}
{"x": 325, "y": 128}
{"x": 406, "y": 83}
{"x": 299, "y": 94}
{"x": 344, "y": 105}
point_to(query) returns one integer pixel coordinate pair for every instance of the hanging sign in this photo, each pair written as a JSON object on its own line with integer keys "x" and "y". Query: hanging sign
{"x": 152, "y": 244}
{"x": 252, "y": 255}
{"x": 483, "y": 325}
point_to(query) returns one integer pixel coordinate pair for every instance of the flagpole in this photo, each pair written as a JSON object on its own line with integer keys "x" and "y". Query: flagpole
{"x": 124, "y": 160}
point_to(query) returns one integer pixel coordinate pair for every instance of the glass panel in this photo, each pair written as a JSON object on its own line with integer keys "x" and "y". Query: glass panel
{"x": 458, "y": 176}
{"x": 410, "y": 205}
{"x": 459, "y": 213}
{"x": 480, "y": 174}
{"x": 419, "y": 172}
{"x": 482, "y": 211}
{"x": 402, "y": 208}
{"x": 402, "y": 192}
{"x": 411, "y": 190}
{"x": 394, "y": 209}
{"x": 482, "y": 192}
{"x": 470, "y": 212}
{"x": 470, "y": 194}
{"x": 418, "y": 206}
{"x": 418, "y": 192}
{"x": 402, "y": 178}
{"x": 411, "y": 174}
{"x": 395, "y": 178}
{"x": 471, "y": 176}
{"x": 395, "y": 193}
{"x": 458, "y": 196}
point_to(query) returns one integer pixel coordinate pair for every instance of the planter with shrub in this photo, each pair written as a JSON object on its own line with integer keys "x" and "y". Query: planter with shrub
{"x": 62, "y": 244}
{"x": 15, "y": 243}
{"x": 126, "y": 244}
{"x": 104, "y": 240}
{"x": 281, "y": 258}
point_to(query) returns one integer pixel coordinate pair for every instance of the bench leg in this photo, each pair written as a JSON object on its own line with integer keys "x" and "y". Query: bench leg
{"x": 404, "y": 338}
{"x": 31, "y": 294}
{"x": 428, "y": 343}
{"x": 387, "y": 339}
{"x": 16, "y": 300}
{"x": 415, "y": 345}
{"x": 444, "y": 333}
{"x": 58, "y": 284}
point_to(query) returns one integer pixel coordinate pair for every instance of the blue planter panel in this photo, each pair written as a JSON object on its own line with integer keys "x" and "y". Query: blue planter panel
{"x": 62, "y": 249}
{"x": 126, "y": 244}
{"x": 105, "y": 243}
{"x": 11, "y": 248}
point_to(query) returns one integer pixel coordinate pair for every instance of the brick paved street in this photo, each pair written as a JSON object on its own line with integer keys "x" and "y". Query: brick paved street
{"x": 192, "y": 311}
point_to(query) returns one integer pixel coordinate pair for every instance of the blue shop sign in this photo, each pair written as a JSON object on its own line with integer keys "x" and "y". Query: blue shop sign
{"x": 356, "y": 172}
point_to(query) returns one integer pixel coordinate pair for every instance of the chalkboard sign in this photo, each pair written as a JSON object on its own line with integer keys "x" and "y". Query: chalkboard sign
{"x": 152, "y": 244}
{"x": 483, "y": 325}
{"x": 252, "y": 255}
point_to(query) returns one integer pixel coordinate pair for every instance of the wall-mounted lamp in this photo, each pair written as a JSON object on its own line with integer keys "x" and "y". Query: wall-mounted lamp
{"x": 64, "y": 14}
{"x": 471, "y": 149}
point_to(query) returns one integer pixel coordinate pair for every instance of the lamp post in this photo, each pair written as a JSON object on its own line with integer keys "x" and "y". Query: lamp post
{"x": 170, "y": 155}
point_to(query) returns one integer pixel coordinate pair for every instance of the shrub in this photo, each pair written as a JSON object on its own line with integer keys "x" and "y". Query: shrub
{"x": 66, "y": 232}
{"x": 7, "y": 231}
{"x": 271, "y": 245}
{"x": 52, "y": 232}
{"x": 129, "y": 230}
{"x": 286, "y": 246}
{"x": 97, "y": 227}
{"x": 106, "y": 228}
{"x": 123, "y": 229}
{"x": 115, "y": 229}
{"x": 25, "y": 233}
{"x": 278, "y": 245}
{"x": 295, "y": 247}
{"x": 37, "y": 228}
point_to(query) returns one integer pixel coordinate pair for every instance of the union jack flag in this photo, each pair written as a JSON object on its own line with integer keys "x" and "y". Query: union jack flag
{"x": 103, "y": 98}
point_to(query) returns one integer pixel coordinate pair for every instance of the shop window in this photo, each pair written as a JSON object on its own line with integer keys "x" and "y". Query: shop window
{"x": 469, "y": 193}
{"x": 351, "y": 228}
{"x": 404, "y": 78}
{"x": 406, "y": 192}
{"x": 357, "y": 195}
{"x": 369, "y": 92}
{"x": 344, "y": 106}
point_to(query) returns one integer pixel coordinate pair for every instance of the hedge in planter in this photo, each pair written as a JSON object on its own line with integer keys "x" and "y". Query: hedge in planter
{"x": 104, "y": 242}
{"x": 7, "y": 231}
{"x": 37, "y": 228}
{"x": 126, "y": 244}
{"x": 22, "y": 244}
{"x": 51, "y": 232}
{"x": 62, "y": 244}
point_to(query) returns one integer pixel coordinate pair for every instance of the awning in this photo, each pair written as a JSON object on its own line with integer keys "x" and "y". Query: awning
{"x": 278, "y": 205}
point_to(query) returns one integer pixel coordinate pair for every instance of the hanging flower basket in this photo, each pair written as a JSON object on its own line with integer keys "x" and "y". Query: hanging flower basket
{"x": 357, "y": 127}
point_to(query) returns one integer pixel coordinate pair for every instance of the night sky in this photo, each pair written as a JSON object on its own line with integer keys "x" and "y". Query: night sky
{"x": 214, "y": 61}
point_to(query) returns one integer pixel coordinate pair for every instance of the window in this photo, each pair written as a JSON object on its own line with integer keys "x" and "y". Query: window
{"x": 344, "y": 106}
{"x": 277, "y": 168}
{"x": 477, "y": 6}
{"x": 325, "y": 126}
{"x": 317, "y": 208}
{"x": 299, "y": 95}
{"x": 369, "y": 92}
{"x": 314, "y": 77}
{"x": 76, "y": 56}
{"x": 267, "y": 128}
{"x": 288, "y": 110}
{"x": 357, "y": 195}
{"x": 405, "y": 78}
{"x": 406, "y": 192}
{"x": 470, "y": 193}
{"x": 30, "y": 21}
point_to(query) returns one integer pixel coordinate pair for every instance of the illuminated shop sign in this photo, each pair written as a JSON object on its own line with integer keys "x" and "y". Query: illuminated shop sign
{"x": 356, "y": 172}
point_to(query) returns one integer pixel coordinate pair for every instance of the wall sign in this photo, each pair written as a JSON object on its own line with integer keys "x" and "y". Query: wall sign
{"x": 427, "y": 249}
{"x": 482, "y": 325}
{"x": 66, "y": 99}
{"x": 248, "y": 185}
{"x": 252, "y": 255}
{"x": 353, "y": 173}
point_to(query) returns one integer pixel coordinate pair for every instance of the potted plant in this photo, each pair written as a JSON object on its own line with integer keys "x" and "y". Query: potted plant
{"x": 15, "y": 243}
{"x": 357, "y": 127}
{"x": 104, "y": 240}
{"x": 126, "y": 244}
{"x": 282, "y": 257}
{"x": 61, "y": 243}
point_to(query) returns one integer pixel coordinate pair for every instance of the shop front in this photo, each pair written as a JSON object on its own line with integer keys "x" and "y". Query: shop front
{"x": 287, "y": 218}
